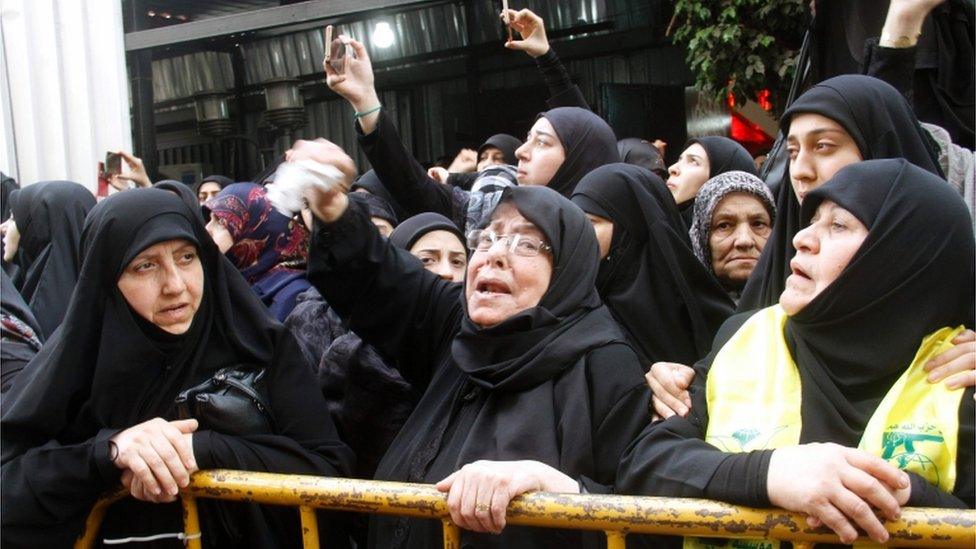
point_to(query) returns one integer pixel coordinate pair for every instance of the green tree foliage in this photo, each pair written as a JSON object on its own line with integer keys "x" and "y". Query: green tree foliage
{"x": 742, "y": 46}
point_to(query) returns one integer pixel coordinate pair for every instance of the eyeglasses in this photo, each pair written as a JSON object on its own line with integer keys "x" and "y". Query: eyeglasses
{"x": 525, "y": 246}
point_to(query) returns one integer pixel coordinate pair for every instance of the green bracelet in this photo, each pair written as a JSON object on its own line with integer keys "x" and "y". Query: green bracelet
{"x": 359, "y": 115}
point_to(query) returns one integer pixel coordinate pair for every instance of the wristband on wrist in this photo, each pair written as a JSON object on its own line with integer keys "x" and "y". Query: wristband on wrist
{"x": 359, "y": 115}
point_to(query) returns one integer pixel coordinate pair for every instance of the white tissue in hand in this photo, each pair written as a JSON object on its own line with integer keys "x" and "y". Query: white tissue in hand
{"x": 292, "y": 179}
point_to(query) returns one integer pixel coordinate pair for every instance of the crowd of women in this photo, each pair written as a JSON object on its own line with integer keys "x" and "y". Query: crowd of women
{"x": 568, "y": 317}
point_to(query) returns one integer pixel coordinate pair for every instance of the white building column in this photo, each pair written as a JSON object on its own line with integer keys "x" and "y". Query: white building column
{"x": 63, "y": 88}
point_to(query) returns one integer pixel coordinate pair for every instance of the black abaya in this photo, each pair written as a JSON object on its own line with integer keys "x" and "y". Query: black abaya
{"x": 554, "y": 383}
{"x": 667, "y": 302}
{"x": 108, "y": 369}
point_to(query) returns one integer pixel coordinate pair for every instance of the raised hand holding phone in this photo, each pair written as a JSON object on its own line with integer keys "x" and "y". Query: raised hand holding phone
{"x": 356, "y": 83}
{"x": 531, "y": 28}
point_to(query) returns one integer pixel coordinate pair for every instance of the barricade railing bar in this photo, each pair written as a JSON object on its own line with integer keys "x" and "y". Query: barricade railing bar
{"x": 616, "y": 516}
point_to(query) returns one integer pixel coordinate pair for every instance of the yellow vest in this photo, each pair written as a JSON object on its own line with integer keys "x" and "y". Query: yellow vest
{"x": 753, "y": 393}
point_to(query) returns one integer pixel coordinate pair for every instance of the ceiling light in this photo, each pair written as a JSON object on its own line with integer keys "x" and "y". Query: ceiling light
{"x": 383, "y": 35}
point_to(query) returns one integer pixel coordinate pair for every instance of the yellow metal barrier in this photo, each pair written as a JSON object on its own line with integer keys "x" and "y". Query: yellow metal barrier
{"x": 617, "y": 516}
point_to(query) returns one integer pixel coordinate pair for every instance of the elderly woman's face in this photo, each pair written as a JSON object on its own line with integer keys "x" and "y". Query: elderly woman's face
{"x": 540, "y": 157}
{"x": 819, "y": 147}
{"x": 739, "y": 231}
{"x": 823, "y": 250}
{"x": 500, "y": 282}
{"x": 164, "y": 285}
{"x": 442, "y": 254}
{"x": 688, "y": 174}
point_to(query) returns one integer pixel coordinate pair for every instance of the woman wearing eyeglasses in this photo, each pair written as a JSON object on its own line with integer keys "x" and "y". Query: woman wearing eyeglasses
{"x": 528, "y": 383}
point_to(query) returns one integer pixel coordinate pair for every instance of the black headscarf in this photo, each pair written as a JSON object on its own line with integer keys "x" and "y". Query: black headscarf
{"x": 725, "y": 155}
{"x": 668, "y": 304}
{"x": 536, "y": 344}
{"x": 637, "y": 151}
{"x": 588, "y": 142}
{"x": 109, "y": 368}
{"x": 50, "y": 216}
{"x": 410, "y": 231}
{"x": 221, "y": 180}
{"x": 505, "y": 143}
{"x": 882, "y": 124}
{"x": 371, "y": 182}
{"x": 858, "y": 336}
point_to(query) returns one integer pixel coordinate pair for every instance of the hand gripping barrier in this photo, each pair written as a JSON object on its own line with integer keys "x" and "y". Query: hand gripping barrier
{"x": 616, "y": 516}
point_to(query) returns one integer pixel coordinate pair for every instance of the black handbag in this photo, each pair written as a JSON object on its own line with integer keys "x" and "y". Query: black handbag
{"x": 230, "y": 403}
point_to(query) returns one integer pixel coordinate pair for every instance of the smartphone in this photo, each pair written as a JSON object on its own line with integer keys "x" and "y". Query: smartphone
{"x": 113, "y": 164}
{"x": 336, "y": 52}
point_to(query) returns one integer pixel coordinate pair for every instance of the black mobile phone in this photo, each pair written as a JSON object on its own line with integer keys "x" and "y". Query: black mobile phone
{"x": 113, "y": 163}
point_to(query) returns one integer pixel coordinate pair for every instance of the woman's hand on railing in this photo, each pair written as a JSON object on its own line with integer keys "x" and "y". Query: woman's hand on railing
{"x": 479, "y": 493}
{"x": 836, "y": 485}
{"x": 156, "y": 457}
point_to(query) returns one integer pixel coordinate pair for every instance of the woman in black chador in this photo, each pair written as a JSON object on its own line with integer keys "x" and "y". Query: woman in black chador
{"x": 157, "y": 310}
{"x": 528, "y": 383}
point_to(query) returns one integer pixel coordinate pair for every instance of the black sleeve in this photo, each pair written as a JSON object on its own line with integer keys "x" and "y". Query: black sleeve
{"x": 462, "y": 181}
{"x": 895, "y": 66}
{"x": 384, "y": 294}
{"x": 562, "y": 91}
{"x": 306, "y": 441}
{"x": 53, "y": 487}
{"x": 401, "y": 174}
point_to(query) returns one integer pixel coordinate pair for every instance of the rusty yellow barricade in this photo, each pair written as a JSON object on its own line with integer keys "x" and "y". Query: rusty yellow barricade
{"x": 616, "y": 516}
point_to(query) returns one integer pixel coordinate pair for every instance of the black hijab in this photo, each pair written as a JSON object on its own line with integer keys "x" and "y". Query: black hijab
{"x": 880, "y": 121}
{"x": 668, "y": 304}
{"x": 637, "y": 151}
{"x": 371, "y": 182}
{"x": 410, "y": 231}
{"x": 50, "y": 216}
{"x": 725, "y": 155}
{"x": 857, "y": 337}
{"x": 109, "y": 368}
{"x": 505, "y": 143}
{"x": 588, "y": 142}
